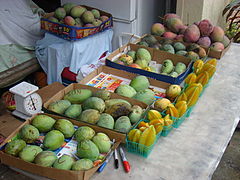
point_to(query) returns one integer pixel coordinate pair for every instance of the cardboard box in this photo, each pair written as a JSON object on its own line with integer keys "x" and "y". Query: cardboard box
{"x": 158, "y": 56}
{"x": 73, "y": 32}
{"x": 211, "y": 53}
{"x": 123, "y": 74}
{"x": 61, "y": 94}
{"x": 50, "y": 172}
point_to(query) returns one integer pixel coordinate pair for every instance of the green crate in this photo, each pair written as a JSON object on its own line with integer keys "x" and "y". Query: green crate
{"x": 179, "y": 121}
{"x": 166, "y": 130}
{"x": 189, "y": 111}
{"x": 140, "y": 149}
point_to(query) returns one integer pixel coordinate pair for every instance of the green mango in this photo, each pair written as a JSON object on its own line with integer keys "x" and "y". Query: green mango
{"x": 77, "y": 96}
{"x": 169, "y": 48}
{"x": 106, "y": 120}
{"x": 29, "y": 153}
{"x": 87, "y": 149}
{"x": 45, "y": 158}
{"x": 43, "y": 122}
{"x": 82, "y": 165}
{"x": 181, "y": 52}
{"x": 103, "y": 142}
{"x": 59, "y": 106}
{"x": 178, "y": 46}
{"x": 123, "y": 124}
{"x": 64, "y": 162}
{"x": 167, "y": 66}
{"x": 136, "y": 114}
{"x": 15, "y": 146}
{"x": 65, "y": 127}
{"x": 73, "y": 111}
{"x": 103, "y": 94}
{"x": 53, "y": 140}
{"x": 94, "y": 103}
{"x": 132, "y": 54}
{"x": 180, "y": 68}
{"x": 29, "y": 133}
{"x": 83, "y": 133}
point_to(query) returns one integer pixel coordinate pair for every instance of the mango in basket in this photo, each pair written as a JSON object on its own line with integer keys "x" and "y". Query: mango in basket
{"x": 148, "y": 136}
{"x": 134, "y": 135}
{"x": 143, "y": 124}
{"x": 212, "y": 61}
{"x": 172, "y": 111}
{"x": 153, "y": 114}
{"x": 158, "y": 124}
{"x": 181, "y": 107}
{"x": 167, "y": 120}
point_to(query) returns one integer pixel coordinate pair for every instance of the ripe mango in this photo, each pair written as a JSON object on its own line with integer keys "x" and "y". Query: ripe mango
{"x": 191, "y": 78}
{"x": 148, "y": 137}
{"x": 181, "y": 107}
{"x": 153, "y": 114}
{"x": 203, "y": 78}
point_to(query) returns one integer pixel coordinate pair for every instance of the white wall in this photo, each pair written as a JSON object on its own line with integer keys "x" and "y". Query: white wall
{"x": 196, "y": 10}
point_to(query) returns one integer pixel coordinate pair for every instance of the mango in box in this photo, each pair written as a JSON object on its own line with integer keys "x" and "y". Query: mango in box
{"x": 191, "y": 78}
{"x": 181, "y": 107}
{"x": 158, "y": 124}
{"x": 148, "y": 136}
{"x": 212, "y": 62}
{"x": 167, "y": 120}
{"x": 172, "y": 111}
{"x": 153, "y": 114}
{"x": 203, "y": 78}
{"x": 134, "y": 135}
{"x": 162, "y": 104}
{"x": 211, "y": 69}
{"x": 193, "y": 93}
{"x": 182, "y": 97}
{"x": 173, "y": 91}
{"x": 197, "y": 65}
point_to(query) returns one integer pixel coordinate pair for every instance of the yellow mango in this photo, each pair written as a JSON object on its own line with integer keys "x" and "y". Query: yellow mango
{"x": 182, "y": 97}
{"x": 193, "y": 93}
{"x": 191, "y": 78}
{"x": 173, "y": 91}
{"x": 142, "y": 128}
{"x": 153, "y": 114}
{"x": 161, "y": 104}
{"x": 143, "y": 124}
{"x": 148, "y": 136}
{"x": 181, "y": 107}
{"x": 198, "y": 65}
{"x": 157, "y": 121}
{"x": 212, "y": 61}
{"x": 134, "y": 135}
{"x": 167, "y": 120}
{"x": 198, "y": 85}
{"x": 172, "y": 111}
{"x": 203, "y": 78}
{"x": 211, "y": 69}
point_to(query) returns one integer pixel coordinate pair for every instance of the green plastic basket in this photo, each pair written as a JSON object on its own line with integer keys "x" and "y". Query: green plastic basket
{"x": 189, "y": 111}
{"x": 140, "y": 149}
{"x": 166, "y": 130}
{"x": 179, "y": 121}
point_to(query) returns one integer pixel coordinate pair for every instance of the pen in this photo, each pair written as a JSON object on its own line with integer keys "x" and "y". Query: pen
{"x": 100, "y": 169}
{"x": 126, "y": 164}
{"x": 116, "y": 159}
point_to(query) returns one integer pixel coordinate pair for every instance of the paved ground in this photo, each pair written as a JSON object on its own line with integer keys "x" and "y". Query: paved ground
{"x": 228, "y": 169}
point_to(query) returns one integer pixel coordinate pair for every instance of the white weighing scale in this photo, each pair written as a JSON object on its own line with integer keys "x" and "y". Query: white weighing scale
{"x": 28, "y": 102}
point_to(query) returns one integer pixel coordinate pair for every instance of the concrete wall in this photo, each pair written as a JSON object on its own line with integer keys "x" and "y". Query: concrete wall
{"x": 196, "y": 10}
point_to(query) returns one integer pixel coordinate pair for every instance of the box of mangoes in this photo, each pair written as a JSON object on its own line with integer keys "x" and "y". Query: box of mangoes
{"x": 150, "y": 62}
{"x": 58, "y": 148}
{"x": 74, "y": 22}
{"x": 97, "y": 107}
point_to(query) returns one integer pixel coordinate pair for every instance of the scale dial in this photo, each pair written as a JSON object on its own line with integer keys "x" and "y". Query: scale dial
{"x": 32, "y": 104}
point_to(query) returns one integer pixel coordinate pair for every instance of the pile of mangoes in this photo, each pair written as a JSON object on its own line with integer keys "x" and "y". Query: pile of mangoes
{"x": 91, "y": 146}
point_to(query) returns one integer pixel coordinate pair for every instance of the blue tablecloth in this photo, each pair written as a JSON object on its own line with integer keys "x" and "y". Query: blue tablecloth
{"x": 54, "y": 53}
